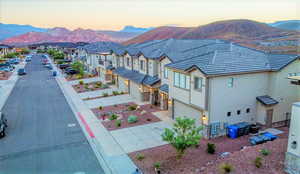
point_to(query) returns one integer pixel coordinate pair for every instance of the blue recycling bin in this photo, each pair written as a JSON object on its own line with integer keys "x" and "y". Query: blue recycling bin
{"x": 232, "y": 131}
{"x": 271, "y": 136}
{"x": 54, "y": 73}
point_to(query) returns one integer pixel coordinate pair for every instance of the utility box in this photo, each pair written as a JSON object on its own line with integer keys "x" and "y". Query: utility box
{"x": 292, "y": 161}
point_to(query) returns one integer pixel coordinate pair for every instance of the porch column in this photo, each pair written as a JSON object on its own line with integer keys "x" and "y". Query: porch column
{"x": 152, "y": 97}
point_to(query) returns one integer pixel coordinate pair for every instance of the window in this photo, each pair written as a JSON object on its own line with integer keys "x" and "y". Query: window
{"x": 128, "y": 62}
{"x": 166, "y": 71}
{"x": 238, "y": 112}
{"x": 230, "y": 82}
{"x": 198, "y": 83}
{"x": 176, "y": 79}
{"x": 142, "y": 65}
{"x": 181, "y": 80}
{"x": 248, "y": 110}
{"x": 228, "y": 114}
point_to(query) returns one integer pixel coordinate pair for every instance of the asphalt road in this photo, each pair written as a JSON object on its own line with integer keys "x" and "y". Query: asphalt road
{"x": 43, "y": 136}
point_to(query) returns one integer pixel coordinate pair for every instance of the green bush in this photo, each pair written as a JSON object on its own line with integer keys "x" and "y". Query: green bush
{"x": 105, "y": 94}
{"x": 226, "y": 168}
{"x": 258, "y": 162}
{"x": 113, "y": 117}
{"x": 211, "y": 148}
{"x": 99, "y": 84}
{"x": 132, "y": 119}
{"x": 81, "y": 82}
{"x": 115, "y": 93}
{"x": 157, "y": 165}
{"x": 140, "y": 157}
{"x": 121, "y": 92}
{"x": 100, "y": 107}
{"x": 132, "y": 107}
{"x": 265, "y": 152}
{"x": 118, "y": 123}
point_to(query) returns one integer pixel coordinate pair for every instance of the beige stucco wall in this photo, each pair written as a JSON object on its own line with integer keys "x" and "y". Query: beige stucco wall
{"x": 161, "y": 71}
{"x": 180, "y": 94}
{"x": 130, "y": 62}
{"x": 134, "y": 91}
{"x": 153, "y": 67}
{"x": 136, "y": 64}
{"x": 122, "y": 85}
{"x": 198, "y": 98}
{"x": 294, "y": 134}
{"x": 281, "y": 90}
{"x": 144, "y": 71}
{"x": 181, "y": 110}
{"x": 242, "y": 95}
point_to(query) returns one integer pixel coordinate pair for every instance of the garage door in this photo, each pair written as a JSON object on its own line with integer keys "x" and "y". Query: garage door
{"x": 181, "y": 110}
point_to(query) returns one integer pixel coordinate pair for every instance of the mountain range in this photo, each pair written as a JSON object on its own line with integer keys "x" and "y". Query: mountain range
{"x": 13, "y": 34}
{"x": 247, "y": 32}
{"x": 288, "y": 25}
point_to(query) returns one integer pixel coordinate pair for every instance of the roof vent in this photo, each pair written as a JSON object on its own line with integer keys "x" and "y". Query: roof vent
{"x": 267, "y": 64}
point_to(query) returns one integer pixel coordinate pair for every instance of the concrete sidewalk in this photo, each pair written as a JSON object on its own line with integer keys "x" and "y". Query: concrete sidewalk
{"x": 108, "y": 101}
{"x": 110, "y": 154}
{"x": 6, "y": 86}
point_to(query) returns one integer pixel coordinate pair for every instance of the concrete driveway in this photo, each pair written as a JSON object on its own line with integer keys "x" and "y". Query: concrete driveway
{"x": 140, "y": 137}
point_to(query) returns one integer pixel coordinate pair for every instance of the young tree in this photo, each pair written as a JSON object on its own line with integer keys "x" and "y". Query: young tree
{"x": 78, "y": 66}
{"x": 184, "y": 135}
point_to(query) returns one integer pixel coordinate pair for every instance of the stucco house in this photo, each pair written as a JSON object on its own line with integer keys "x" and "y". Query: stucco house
{"x": 5, "y": 49}
{"x": 213, "y": 81}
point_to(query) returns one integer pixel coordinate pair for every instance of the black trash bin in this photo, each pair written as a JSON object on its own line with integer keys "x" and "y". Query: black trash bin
{"x": 254, "y": 129}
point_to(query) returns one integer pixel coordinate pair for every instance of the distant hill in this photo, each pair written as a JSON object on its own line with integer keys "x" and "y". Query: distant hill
{"x": 60, "y": 34}
{"x": 288, "y": 25}
{"x": 234, "y": 30}
{"x": 11, "y": 30}
{"x": 132, "y": 29}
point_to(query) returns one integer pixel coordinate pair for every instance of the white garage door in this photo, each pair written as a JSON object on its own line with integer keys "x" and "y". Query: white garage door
{"x": 181, "y": 110}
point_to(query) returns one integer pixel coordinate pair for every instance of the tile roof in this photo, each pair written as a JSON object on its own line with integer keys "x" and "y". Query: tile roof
{"x": 151, "y": 80}
{"x": 266, "y": 100}
{"x": 236, "y": 59}
{"x": 137, "y": 77}
{"x": 164, "y": 88}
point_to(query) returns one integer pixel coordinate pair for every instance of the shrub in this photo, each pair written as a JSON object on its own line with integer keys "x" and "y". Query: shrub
{"x": 100, "y": 107}
{"x": 91, "y": 75}
{"x": 81, "y": 82}
{"x": 121, "y": 92}
{"x": 258, "y": 162}
{"x": 113, "y": 117}
{"x": 115, "y": 93}
{"x": 118, "y": 123}
{"x": 99, "y": 84}
{"x": 132, "y": 119}
{"x": 148, "y": 119}
{"x": 211, "y": 148}
{"x": 183, "y": 135}
{"x": 157, "y": 165}
{"x": 265, "y": 152}
{"x": 226, "y": 168}
{"x": 105, "y": 94}
{"x": 132, "y": 107}
{"x": 140, "y": 156}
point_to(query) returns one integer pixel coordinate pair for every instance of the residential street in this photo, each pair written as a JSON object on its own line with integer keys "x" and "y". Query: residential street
{"x": 43, "y": 136}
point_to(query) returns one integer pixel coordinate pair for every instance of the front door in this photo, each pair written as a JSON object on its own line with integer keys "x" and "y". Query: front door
{"x": 269, "y": 118}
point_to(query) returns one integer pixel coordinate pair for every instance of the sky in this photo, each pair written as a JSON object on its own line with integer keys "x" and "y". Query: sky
{"x": 115, "y": 14}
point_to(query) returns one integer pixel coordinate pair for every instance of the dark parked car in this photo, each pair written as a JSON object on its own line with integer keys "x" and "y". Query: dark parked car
{"x": 3, "y": 125}
{"x": 21, "y": 71}
{"x": 71, "y": 71}
{"x": 63, "y": 66}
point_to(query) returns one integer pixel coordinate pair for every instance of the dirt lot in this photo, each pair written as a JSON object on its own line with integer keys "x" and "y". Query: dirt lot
{"x": 198, "y": 161}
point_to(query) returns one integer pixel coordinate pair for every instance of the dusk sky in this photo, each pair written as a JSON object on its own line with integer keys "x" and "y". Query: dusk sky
{"x": 115, "y": 14}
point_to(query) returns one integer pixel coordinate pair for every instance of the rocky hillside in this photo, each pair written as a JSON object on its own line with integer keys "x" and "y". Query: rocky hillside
{"x": 235, "y": 30}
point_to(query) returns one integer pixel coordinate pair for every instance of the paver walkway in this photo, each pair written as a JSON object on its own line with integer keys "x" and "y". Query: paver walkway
{"x": 140, "y": 137}
{"x": 87, "y": 80}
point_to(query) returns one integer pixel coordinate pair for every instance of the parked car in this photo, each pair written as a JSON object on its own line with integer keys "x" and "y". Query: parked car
{"x": 21, "y": 71}
{"x": 5, "y": 68}
{"x": 14, "y": 61}
{"x": 49, "y": 66}
{"x": 3, "y": 125}
{"x": 71, "y": 71}
{"x": 63, "y": 66}
{"x": 44, "y": 61}
{"x": 28, "y": 59}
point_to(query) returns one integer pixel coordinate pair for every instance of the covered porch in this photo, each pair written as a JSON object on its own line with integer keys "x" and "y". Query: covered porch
{"x": 265, "y": 110}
